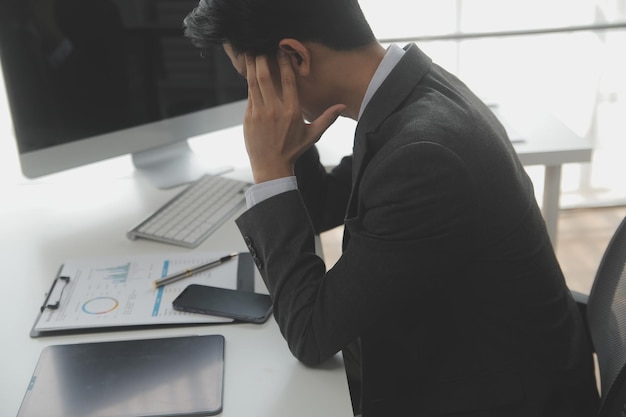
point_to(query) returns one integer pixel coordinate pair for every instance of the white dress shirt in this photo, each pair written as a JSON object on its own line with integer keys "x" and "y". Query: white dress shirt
{"x": 265, "y": 190}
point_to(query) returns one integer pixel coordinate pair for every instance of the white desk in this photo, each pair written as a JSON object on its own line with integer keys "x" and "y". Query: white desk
{"x": 546, "y": 141}
{"x": 45, "y": 221}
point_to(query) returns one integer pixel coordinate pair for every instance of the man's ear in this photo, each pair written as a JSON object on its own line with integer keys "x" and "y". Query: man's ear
{"x": 298, "y": 54}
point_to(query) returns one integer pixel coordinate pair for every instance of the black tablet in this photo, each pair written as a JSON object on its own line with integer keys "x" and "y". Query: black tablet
{"x": 179, "y": 376}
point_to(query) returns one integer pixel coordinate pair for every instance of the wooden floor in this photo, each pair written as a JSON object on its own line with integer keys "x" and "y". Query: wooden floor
{"x": 582, "y": 237}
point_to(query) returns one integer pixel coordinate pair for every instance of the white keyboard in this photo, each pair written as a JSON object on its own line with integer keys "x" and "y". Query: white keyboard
{"x": 190, "y": 217}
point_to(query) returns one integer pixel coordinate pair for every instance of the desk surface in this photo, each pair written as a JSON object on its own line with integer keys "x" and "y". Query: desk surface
{"x": 46, "y": 221}
{"x": 545, "y": 139}
{"x": 541, "y": 139}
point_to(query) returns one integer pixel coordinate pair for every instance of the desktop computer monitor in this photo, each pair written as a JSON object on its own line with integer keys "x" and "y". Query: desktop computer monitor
{"x": 88, "y": 80}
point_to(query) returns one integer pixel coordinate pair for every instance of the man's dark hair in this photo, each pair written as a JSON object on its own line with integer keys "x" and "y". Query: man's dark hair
{"x": 256, "y": 26}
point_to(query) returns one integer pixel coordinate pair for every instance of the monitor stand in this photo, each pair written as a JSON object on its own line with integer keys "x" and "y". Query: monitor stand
{"x": 175, "y": 164}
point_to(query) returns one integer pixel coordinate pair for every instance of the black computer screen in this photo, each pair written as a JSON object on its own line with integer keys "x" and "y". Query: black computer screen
{"x": 76, "y": 69}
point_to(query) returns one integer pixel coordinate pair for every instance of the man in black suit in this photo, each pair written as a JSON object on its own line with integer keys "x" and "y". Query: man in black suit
{"x": 448, "y": 298}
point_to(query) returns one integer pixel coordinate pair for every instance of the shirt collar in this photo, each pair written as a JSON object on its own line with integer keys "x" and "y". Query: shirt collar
{"x": 390, "y": 60}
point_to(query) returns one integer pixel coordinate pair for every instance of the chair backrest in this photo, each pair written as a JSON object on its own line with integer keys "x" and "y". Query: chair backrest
{"x": 606, "y": 315}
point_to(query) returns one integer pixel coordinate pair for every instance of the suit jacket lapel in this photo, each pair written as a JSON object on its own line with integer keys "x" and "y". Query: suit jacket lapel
{"x": 391, "y": 94}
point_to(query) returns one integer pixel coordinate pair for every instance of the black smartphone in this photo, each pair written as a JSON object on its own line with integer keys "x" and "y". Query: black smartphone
{"x": 236, "y": 304}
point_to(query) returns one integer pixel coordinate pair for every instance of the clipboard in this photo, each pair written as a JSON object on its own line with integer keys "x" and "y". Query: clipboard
{"x": 177, "y": 376}
{"x": 116, "y": 293}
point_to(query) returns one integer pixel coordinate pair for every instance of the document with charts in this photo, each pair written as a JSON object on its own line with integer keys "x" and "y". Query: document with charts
{"x": 119, "y": 291}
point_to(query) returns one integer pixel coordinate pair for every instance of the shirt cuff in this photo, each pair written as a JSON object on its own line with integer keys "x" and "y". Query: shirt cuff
{"x": 263, "y": 191}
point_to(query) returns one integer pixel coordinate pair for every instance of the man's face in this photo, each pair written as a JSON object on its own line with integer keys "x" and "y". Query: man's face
{"x": 238, "y": 61}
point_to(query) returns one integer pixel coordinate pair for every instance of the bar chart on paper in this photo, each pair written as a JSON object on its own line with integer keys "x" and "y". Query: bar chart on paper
{"x": 114, "y": 274}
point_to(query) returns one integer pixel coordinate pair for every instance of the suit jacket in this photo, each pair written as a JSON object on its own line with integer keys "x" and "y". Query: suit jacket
{"x": 447, "y": 280}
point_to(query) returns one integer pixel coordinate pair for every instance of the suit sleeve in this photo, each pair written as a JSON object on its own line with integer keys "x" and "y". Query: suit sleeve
{"x": 325, "y": 194}
{"x": 416, "y": 216}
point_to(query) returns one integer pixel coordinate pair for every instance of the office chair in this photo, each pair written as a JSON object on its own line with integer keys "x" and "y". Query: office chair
{"x": 605, "y": 312}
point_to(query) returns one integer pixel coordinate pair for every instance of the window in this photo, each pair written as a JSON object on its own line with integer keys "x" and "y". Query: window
{"x": 565, "y": 55}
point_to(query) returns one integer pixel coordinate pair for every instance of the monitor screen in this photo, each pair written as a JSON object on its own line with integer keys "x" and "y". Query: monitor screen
{"x": 87, "y": 80}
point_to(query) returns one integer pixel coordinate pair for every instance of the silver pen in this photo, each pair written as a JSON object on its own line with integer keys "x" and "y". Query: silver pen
{"x": 190, "y": 272}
